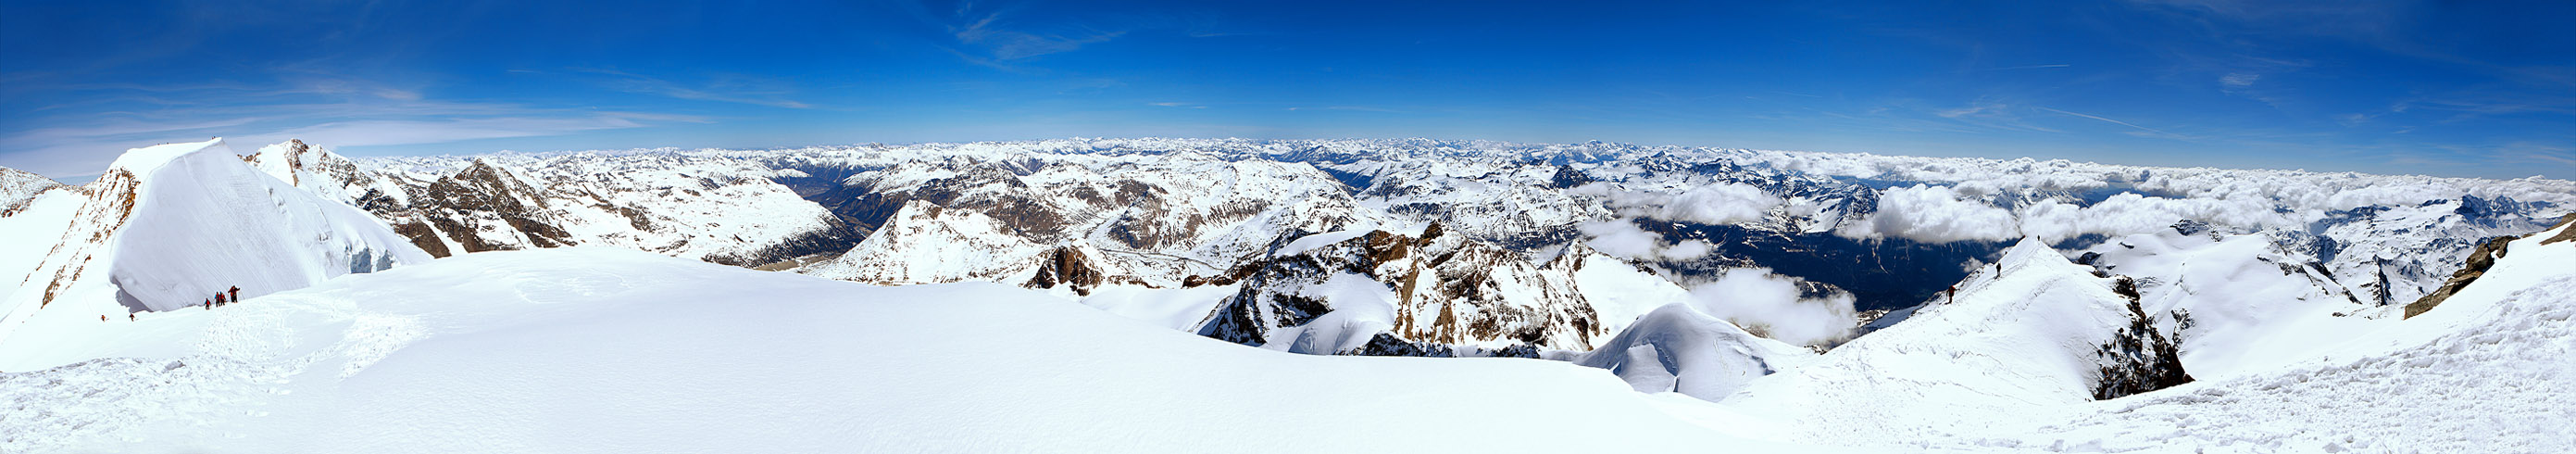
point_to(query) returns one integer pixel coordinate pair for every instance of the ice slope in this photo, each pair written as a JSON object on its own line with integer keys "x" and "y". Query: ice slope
{"x": 588, "y": 349}
{"x": 168, "y": 226}
{"x": 1677, "y": 348}
{"x": 2027, "y": 338}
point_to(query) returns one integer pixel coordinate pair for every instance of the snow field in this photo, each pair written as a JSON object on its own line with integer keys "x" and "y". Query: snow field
{"x": 594, "y": 350}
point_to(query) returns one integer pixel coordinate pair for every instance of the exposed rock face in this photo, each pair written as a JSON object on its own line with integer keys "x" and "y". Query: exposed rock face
{"x": 2139, "y": 358}
{"x": 1066, "y": 266}
{"x": 1438, "y": 288}
{"x": 485, "y": 208}
{"x": 2480, "y": 260}
{"x": 717, "y": 210}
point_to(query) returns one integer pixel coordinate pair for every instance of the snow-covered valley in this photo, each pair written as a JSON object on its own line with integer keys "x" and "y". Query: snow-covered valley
{"x": 1184, "y": 295}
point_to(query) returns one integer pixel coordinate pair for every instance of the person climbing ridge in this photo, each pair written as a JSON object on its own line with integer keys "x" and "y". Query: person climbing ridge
{"x": 219, "y": 298}
{"x": 102, "y": 318}
{"x": 129, "y": 316}
{"x": 236, "y": 294}
{"x": 1954, "y": 293}
{"x": 210, "y": 305}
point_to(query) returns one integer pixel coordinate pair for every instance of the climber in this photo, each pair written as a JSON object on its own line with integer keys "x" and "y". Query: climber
{"x": 219, "y": 298}
{"x": 129, "y": 316}
{"x": 1954, "y": 293}
{"x": 210, "y": 305}
{"x": 236, "y": 294}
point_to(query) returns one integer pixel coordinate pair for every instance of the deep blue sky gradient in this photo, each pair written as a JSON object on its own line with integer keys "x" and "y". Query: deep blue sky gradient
{"x": 2444, "y": 88}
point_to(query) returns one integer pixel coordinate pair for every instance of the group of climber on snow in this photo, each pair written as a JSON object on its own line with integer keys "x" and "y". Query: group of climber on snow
{"x": 222, "y": 297}
{"x": 219, "y": 298}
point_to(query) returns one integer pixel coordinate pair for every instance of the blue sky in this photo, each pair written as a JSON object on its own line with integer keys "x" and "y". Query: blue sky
{"x": 2445, "y": 88}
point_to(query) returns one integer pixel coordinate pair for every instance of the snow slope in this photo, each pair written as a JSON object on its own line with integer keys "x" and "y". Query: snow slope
{"x": 2031, "y": 337}
{"x": 2233, "y": 303}
{"x": 167, "y": 227}
{"x": 2487, "y": 371}
{"x": 588, "y": 349}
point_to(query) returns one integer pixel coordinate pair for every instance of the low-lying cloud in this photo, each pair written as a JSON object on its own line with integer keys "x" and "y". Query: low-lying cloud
{"x": 1770, "y": 305}
{"x": 1621, "y": 238}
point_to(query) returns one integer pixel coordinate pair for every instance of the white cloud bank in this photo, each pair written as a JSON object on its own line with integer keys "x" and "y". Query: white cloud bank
{"x": 1712, "y": 204}
{"x": 1621, "y": 238}
{"x": 1937, "y": 214}
{"x": 1769, "y": 304}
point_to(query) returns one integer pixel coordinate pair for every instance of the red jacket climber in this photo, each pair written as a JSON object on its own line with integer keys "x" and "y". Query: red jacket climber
{"x": 236, "y": 294}
{"x": 219, "y": 297}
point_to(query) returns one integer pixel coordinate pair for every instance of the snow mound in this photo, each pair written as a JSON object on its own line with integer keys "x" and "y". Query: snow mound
{"x": 1678, "y": 349}
{"x": 588, "y": 349}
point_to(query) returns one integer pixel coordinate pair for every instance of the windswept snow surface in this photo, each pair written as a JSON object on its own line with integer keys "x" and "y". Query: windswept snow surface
{"x": 588, "y": 349}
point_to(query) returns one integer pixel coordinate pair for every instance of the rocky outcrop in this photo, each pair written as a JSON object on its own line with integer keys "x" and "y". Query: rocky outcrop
{"x": 1066, "y": 265}
{"x": 1433, "y": 287}
{"x": 2480, "y": 260}
{"x": 2138, "y": 358}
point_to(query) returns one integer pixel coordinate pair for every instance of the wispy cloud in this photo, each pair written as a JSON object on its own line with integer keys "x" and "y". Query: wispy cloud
{"x": 1012, "y": 44}
{"x": 2009, "y": 68}
{"x": 425, "y": 131}
{"x": 2142, "y": 130}
{"x": 1986, "y": 113}
{"x": 2239, "y": 80}
{"x": 80, "y": 138}
{"x": 1005, "y": 37}
{"x": 732, "y": 89}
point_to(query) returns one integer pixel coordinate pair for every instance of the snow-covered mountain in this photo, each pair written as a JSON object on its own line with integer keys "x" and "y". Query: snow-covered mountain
{"x": 169, "y": 227}
{"x": 2033, "y": 331}
{"x": 1852, "y": 234}
{"x": 18, "y": 186}
{"x": 1768, "y": 301}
